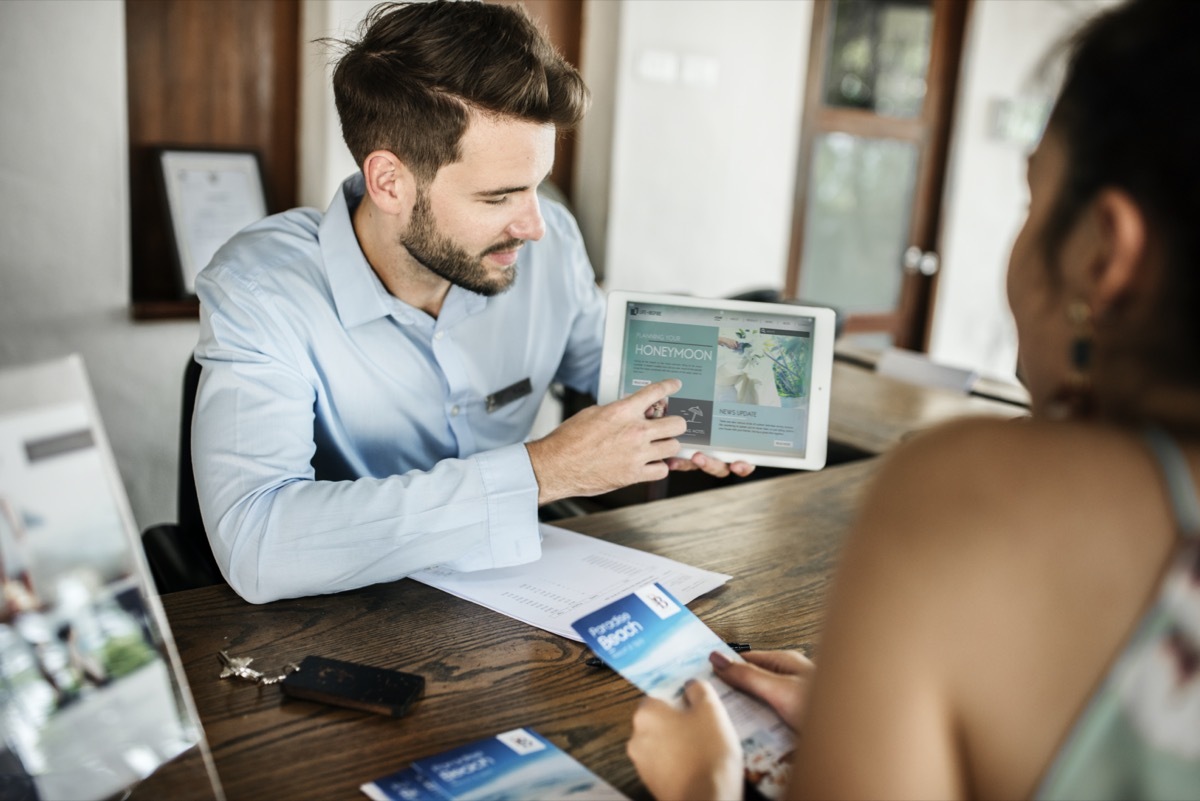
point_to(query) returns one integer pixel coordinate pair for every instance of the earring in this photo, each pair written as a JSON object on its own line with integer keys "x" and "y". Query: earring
{"x": 1075, "y": 400}
{"x": 1081, "y": 346}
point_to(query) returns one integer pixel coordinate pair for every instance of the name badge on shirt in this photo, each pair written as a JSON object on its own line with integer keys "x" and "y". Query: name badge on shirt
{"x": 509, "y": 394}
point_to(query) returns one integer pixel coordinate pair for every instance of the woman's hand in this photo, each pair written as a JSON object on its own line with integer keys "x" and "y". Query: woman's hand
{"x": 690, "y": 753}
{"x": 779, "y": 678}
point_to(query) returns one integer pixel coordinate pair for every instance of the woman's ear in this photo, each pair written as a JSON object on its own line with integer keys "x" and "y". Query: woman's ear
{"x": 390, "y": 184}
{"x": 1121, "y": 266}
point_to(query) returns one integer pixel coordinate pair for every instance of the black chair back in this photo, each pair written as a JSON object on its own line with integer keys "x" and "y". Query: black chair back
{"x": 178, "y": 553}
{"x": 188, "y": 506}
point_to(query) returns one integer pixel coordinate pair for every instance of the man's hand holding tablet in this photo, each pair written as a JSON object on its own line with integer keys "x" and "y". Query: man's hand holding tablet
{"x": 714, "y": 467}
{"x": 709, "y": 464}
{"x": 603, "y": 448}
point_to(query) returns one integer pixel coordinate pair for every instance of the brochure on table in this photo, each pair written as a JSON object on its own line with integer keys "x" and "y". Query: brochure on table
{"x": 92, "y": 697}
{"x": 518, "y": 764}
{"x": 574, "y": 575}
{"x": 655, "y": 642}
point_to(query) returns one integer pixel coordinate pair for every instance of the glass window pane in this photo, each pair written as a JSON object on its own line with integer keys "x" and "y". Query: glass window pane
{"x": 879, "y": 56}
{"x": 856, "y": 223}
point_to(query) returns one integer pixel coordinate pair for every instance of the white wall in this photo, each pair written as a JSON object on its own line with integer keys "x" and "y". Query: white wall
{"x": 324, "y": 160}
{"x": 697, "y": 196}
{"x": 64, "y": 253}
{"x": 703, "y": 169}
{"x": 594, "y": 139}
{"x": 700, "y": 195}
{"x": 986, "y": 196}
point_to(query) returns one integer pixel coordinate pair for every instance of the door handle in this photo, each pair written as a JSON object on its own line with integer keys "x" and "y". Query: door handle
{"x": 925, "y": 262}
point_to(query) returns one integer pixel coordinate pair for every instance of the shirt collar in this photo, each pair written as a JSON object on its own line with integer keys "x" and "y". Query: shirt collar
{"x": 358, "y": 293}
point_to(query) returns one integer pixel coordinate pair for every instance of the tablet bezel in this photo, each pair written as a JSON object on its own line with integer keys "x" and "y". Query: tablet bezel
{"x": 817, "y": 434}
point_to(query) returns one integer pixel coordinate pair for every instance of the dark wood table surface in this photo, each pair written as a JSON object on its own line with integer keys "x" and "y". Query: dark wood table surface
{"x": 847, "y": 351}
{"x": 779, "y": 538}
{"x": 871, "y": 413}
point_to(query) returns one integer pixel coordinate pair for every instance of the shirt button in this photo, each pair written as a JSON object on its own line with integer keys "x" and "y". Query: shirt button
{"x": 439, "y": 334}
{"x": 454, "y": 411}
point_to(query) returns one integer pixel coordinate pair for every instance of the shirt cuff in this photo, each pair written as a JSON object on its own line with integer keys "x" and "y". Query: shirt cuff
{"x": 511, "y": 490}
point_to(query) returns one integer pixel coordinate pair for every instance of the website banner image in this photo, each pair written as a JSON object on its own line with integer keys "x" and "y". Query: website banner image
{"x": 746, "y": 376}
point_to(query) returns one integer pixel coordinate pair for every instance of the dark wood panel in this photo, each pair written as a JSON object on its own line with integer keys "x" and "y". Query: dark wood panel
{"x": 206, "y": 73}
{"x": 563, "y": 22}
{"x": 857, "y": 122}
{"x": 944, "y": 69}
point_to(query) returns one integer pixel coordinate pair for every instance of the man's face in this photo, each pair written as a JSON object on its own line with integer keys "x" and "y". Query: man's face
{"x": 469, "y": 222}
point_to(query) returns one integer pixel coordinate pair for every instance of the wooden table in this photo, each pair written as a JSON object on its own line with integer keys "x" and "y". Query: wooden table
{"x": 487, "y": 673}
{"x": 847, "y": 351}
{"x": 870, "y": 413}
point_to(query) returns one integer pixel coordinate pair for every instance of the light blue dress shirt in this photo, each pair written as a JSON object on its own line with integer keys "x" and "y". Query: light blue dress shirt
{"x": 341, "y": 437}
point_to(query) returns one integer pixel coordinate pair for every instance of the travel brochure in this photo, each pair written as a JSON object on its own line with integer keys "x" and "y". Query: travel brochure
{"x": 92, "y": 698}
{"x": 656, "y": 643}
{"x": 520, "y": 764}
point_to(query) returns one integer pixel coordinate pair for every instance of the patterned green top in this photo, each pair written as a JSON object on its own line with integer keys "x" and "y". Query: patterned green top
{"x": 1139, "y": 737}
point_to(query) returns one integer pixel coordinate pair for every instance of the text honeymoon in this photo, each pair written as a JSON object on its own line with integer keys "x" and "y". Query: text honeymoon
{"x": 675, "y": 352}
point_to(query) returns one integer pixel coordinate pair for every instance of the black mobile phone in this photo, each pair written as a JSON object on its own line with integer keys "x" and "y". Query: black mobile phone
{"x": 348, "y": 684}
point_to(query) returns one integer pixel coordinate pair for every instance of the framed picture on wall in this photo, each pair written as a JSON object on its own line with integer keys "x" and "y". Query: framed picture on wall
{"x": 210, "y": 195}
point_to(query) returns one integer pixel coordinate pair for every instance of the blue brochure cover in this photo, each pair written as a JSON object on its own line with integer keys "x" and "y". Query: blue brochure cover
{"x": 658, "y": 645}
{"x": 403, "y": 785}
{"x": 519, "y": 764}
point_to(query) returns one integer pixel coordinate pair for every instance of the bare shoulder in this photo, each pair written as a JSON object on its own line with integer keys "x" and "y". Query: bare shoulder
{"x": 1000, "y": 453}
{"x": 980, "y": 557}
{"x": 977, "y": 508}
{"x": 974, "y": 478}
{"x": 945, "y": 588}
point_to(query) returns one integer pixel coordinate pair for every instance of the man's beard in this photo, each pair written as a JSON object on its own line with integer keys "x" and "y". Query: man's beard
{"x": 441, "y": 255}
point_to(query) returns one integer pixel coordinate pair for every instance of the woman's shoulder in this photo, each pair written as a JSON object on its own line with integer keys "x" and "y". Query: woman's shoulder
{"x": 1019, "y": 478}
{"x": 999, "y": 454}
{"x": 1015, "y": 555}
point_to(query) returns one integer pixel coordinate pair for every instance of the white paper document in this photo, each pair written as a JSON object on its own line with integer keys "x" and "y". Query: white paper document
{"x": 576, "y": 575}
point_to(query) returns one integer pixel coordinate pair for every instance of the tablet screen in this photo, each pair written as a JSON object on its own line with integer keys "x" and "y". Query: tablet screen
{"x": 755, "y": 375}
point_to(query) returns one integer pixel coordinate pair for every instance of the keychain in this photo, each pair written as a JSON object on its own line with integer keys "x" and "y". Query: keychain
{"x": 239, "y": 668}
{"x": 332, "y": 681}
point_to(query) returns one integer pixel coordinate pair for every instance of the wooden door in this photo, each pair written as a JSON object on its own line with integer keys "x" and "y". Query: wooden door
{"x": 877, "y": 115}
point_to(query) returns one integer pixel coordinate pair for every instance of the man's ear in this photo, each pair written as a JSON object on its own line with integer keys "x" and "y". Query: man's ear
{"x": 1121, "y": 265}
{"x": 390, "y": 184}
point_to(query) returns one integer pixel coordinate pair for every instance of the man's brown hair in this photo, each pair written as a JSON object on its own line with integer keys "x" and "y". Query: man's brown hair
{"x": 417, "y": 70}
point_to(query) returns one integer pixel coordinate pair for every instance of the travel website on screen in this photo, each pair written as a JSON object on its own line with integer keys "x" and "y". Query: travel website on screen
{"x": 746, "y": 375}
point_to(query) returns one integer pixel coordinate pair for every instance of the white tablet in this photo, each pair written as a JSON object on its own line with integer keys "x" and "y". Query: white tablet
{"x": 755, "y": 376}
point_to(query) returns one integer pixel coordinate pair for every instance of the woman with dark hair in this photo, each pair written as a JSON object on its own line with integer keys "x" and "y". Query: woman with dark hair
{"x": 1017, "y": 611}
